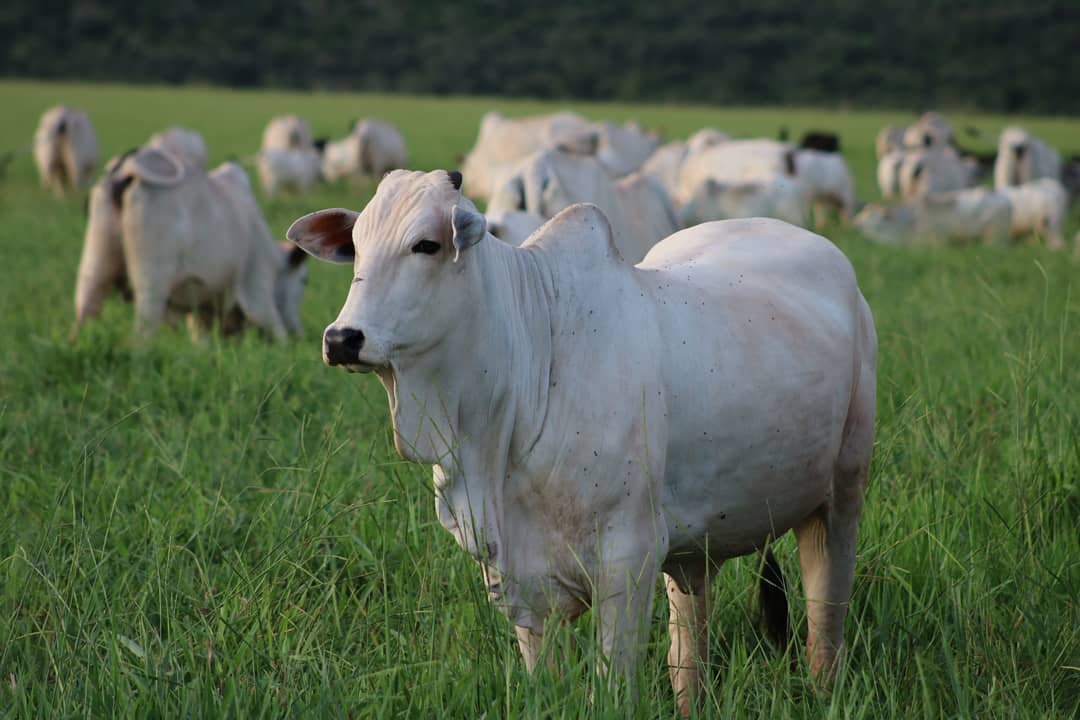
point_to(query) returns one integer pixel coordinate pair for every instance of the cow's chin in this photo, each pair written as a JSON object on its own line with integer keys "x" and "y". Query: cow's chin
{"x": 360, "y": 368}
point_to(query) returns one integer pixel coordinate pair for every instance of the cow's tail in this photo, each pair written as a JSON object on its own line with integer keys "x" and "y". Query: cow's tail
{"x": 772, "y": 601}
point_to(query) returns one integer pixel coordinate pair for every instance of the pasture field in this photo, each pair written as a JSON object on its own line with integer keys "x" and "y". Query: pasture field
{"x": 225, "y": 531}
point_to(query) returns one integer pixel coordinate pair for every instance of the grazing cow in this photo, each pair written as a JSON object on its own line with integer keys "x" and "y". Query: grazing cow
{"x": 940, "y": 218}
{"x": 622, "y": 149}
{"x": 287, "y": 132}
{"x": 186, "y": 242}
{"x": 736, "y": 161}
{"x": 341, "y": 159}
{"x": 65, "y": 150}
{"x": 381, "y": 148}
{"x": 592, "y": 424}
{"x": 931, "y": 171}
{"x": 1022, "y": 158}
{"x": 778, "y": 197}
{"x": 1038, "y": 207}
{"x": 502, "y": 142}
{"x": 705, "y": 138}
{"x": 827, "y": 182}
{"x": 889, "y": 139}
{"x": 295, "y": 171}
{"x": 666, "y": 163}
{"x": 930, "y": 132}
{"x": 820, "y": 140}
{"x": 888, "y": 173}
{"x": 188, "y": 145}
{"x": 545, "y": 183}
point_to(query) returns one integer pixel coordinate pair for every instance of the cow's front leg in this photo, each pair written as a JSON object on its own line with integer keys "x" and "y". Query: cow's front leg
{"x": 688, "y": 587}
{"x": 531, "y": 644}
{"x": 623, "y": 607}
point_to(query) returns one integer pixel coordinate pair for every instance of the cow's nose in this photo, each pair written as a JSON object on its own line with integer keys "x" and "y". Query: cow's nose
{"x": 342, "y": 345}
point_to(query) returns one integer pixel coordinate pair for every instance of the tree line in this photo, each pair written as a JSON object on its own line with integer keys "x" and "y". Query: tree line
{"x": 991, "y": 55}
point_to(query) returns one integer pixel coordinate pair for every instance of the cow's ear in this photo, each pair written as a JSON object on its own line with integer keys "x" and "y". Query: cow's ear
{"x": 326, "y": 234}
{"x": 469, "y": 228}
{"x": 158, "y": 167}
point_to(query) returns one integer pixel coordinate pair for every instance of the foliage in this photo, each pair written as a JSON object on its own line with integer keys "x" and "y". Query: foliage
{"x": 995, "y": 55}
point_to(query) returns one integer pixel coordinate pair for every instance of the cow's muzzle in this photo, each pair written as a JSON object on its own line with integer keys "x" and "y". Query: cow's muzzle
{"x": 342, "y": 345}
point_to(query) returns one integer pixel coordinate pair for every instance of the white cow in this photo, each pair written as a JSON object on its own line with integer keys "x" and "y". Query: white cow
{"x": 341, "y": 159}
{"x": 65, "y": 149}
{"x": 736, "y": 161}
{"x": 188, "y": 242}
{"x": 932, "y": 171}
{"x": 976, "y": 214}
{"x": 666, "y": 163}
{"x": 549, "y": 181}
{"x": 889, "y": 139}
{"x": 931, "y": 130}
{"x": 592, "y": 424}
{"x": 502, "y": 142}
{"x": 1022, "y": 158}
{"x": 188, "y": 145}
{"x": 827, "y": 182}
{"x": 1038, "y": 207}
{"x": 778, "y": 196}
{"x": 888, "y": 173}
{"x": 623, "y": 149}
{"x": 287, "y": 132}
{"x": 295, "y": 171}
{"x": 381, "y": 147}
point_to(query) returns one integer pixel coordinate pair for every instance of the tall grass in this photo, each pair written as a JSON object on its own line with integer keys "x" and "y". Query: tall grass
{"x": 225, "y": 530}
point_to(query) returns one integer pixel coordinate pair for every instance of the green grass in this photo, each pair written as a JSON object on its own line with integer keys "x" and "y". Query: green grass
{"x": 225, "y": 530}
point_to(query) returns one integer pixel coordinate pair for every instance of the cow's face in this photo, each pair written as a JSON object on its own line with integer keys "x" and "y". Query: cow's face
{"x": 405, "y": 295}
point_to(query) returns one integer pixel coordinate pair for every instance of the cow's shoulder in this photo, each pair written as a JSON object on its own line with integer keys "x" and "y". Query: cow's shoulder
{"x": 580, "y": 234}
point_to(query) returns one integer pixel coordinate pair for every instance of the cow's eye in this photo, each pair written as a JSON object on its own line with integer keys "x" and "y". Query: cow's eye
{"x": 428, "y": 247}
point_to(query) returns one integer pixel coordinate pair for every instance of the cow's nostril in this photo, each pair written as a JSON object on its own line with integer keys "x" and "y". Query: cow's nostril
{"x": 343, "y": 345}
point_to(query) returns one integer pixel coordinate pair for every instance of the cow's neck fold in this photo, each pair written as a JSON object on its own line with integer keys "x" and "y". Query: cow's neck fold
{"x": 476, "y": 404}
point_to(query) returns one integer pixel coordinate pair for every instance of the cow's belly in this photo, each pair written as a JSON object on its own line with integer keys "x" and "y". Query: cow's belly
{"x": 757, "y": 404}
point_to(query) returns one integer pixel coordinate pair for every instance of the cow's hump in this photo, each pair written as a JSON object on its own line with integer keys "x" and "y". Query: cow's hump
{"x": 581, "y": 234}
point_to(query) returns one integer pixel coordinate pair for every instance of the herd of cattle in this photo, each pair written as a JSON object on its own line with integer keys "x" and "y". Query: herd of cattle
{"x": 526, "y": 171}
{"x": 608, "y": 385}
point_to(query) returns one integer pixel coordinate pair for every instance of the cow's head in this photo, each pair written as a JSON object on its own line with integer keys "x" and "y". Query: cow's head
{"x": 406, "y": 251}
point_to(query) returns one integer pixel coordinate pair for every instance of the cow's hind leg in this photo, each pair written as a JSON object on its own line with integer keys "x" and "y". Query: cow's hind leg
{"x": 688, "y": 588}
{"x": 827, "y": 539}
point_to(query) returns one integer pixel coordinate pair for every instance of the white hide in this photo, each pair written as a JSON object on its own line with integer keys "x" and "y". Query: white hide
{"x": 888, "y": 173}
{"x": 961, "y": 216}
{"x": 295, "y": 171}
{"x": 623, "y": 149}
{"x": 1022, "y": 157}
{"x": 736, "y": 161}
{"x": 501, "y": 142}
{"x": 547, "y": 182}
{"x": 381, "y": 148}
{"x": 827, "y": 183}
{"x": 191, "y": 243}
{"x": 889, "y": 139}
{"x": 287, "y": 132}
{"x": 778, "y": 196}
{"x": 933, "y": 171}
{"x": 1038, "y": 208}
{"x": 592, "y": 424}
{"x": 188, "y": 145}
{"x": 65, "y": 149}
